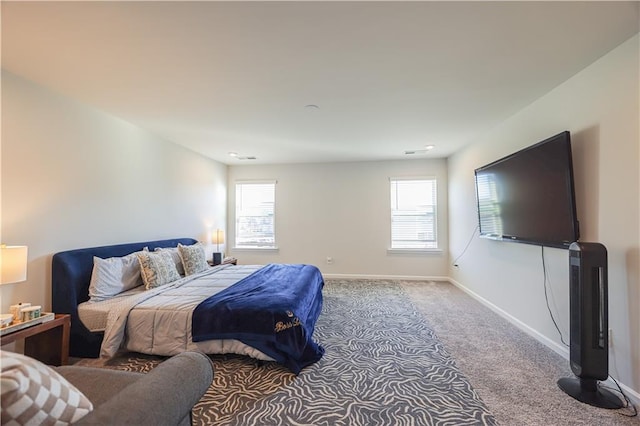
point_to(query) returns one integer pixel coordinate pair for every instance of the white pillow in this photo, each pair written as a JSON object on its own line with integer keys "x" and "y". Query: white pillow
{"x": 193, "y": 258}
{"x": 33, "y": 393}
{"x": 173, "y": 251}
{"x": 114, "y": 275}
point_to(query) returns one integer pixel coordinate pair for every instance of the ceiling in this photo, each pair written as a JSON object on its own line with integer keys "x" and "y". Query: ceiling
{"x": 386, "y": 77}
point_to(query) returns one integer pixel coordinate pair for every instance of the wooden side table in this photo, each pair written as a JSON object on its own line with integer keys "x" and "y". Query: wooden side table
{"x": 225, "y": 261}
{"x": 47, "y": 342}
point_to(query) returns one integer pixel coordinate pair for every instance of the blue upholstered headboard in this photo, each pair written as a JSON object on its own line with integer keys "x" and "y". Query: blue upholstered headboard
{"x": 70, "y": 278}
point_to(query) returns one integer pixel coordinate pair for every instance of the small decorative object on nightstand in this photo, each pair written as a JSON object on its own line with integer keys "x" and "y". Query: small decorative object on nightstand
{"x": 230, "y": 261}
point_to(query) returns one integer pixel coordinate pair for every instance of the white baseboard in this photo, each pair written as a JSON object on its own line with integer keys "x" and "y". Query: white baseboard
{"x": 383, "y": 277}
{"x": 631, "y": 394}
{"x": 559, "y": 349}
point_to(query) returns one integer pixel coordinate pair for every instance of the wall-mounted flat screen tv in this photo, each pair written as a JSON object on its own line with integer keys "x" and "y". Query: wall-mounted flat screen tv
{"x": 529, "y": 196}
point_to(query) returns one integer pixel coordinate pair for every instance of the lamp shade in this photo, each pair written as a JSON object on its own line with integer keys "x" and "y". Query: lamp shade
{"x": 13, "y": 264}
{"x": 218, "y": 236}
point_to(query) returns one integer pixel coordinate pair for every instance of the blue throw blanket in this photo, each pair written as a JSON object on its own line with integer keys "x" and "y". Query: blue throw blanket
{"x": 274, "y": 310}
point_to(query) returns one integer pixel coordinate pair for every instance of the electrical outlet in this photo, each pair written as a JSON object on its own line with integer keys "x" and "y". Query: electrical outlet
{"x": 329, "y": 260}
{"x": 610, "y": 338}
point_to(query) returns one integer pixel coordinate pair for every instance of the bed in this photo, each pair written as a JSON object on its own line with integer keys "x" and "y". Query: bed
{"x": 266, "y": 312}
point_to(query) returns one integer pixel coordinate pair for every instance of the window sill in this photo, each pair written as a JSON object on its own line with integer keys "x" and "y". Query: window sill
{"x": 260, "y": 249}
{"x": 414, "y": 251}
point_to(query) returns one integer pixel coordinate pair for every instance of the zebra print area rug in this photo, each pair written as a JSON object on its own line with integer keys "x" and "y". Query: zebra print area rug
{"x": 383, "y": 366}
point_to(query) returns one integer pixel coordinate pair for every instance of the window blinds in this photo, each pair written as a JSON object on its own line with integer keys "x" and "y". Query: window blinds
{"x": 413, "y": 213}
{"x": 255, "y": 214}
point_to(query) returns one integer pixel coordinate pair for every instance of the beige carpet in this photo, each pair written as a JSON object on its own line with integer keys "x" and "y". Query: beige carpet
{"x": 513, "y": 373}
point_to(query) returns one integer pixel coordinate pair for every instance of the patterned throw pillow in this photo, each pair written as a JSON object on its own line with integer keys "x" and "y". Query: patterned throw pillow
{"x": 193, "y": 258}
{"x": 176, "y": 257}
{"x": 157, "y": 268}
{"x": 33, "y": 393}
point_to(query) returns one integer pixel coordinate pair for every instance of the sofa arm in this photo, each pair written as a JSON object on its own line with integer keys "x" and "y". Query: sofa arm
{"x": 163, "y": 396}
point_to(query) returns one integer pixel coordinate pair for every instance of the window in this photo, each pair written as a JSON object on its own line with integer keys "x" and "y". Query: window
{"x": 413, "y": 213}
{"x": 255, "y": 214}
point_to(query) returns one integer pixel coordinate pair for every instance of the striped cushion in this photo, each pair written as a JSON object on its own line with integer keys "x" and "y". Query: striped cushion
{"x": 34, "y": 394}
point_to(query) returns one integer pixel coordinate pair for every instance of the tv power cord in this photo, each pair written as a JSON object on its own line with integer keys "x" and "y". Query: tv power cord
{"x": 546, "y": 297}
{"x": 627, "y": 402}
{"x": 455, "y": 262}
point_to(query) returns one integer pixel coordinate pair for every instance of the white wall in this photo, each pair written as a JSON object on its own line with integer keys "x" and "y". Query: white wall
{"x": 342, "y": 210}
{"x": 599, "y": 106}
{"x": 75, "y": 177}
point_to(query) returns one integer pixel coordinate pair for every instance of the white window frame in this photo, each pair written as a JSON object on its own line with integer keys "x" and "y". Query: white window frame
{"x": 430, "y": 211}
{"x": 256, "y": 245}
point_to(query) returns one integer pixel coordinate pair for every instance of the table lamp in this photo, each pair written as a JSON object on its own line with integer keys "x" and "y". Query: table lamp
{"x": 13, "y": 269}
{"x": 13, "y": 264}
{"x": 218, "y": 238}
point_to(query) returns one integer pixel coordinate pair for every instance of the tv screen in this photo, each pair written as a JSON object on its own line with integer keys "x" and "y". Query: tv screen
{"x": 529, "y": 196}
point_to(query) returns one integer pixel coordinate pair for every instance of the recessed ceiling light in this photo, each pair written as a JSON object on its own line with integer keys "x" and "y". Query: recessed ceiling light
{"x": 429, "y": 147}
{"x": 243, "y": 157}
{"x": 312, "y": 106}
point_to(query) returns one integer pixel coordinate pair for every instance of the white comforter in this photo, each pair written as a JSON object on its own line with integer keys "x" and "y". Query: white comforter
{"x": 158, "y": 321}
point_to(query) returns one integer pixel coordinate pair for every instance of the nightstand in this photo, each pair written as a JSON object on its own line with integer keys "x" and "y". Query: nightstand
{"x": 225, "y": 261}
{"x": 47, "y": 342}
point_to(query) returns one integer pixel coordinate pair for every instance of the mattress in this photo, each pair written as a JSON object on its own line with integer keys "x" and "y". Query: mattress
{"x": 94, "y": 314}
{"x": 158, "y": 321}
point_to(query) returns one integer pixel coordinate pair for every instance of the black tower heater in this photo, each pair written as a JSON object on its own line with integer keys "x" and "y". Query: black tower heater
{"x": 589, "y": 326}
